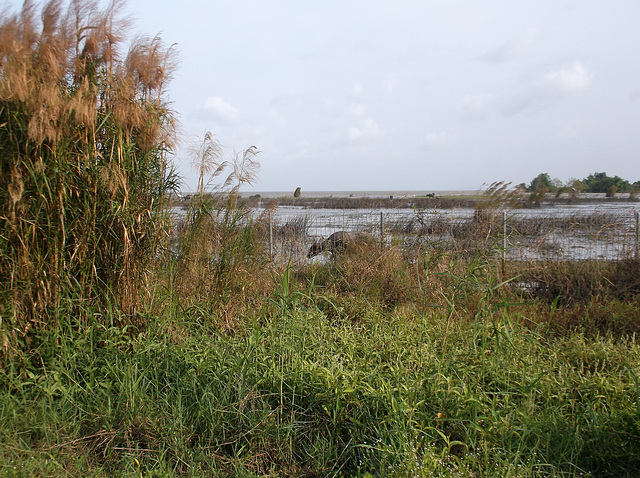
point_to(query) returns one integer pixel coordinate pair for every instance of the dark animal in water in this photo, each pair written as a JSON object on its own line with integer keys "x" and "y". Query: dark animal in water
{"x": 336, "y": 242}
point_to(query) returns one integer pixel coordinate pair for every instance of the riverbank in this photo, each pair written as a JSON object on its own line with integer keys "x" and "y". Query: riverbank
{"x": 403, "y": 200}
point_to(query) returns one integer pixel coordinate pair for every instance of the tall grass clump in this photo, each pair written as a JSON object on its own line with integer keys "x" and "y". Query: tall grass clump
{"x": 219, "y": 260}
{"x": 85, "y": 134}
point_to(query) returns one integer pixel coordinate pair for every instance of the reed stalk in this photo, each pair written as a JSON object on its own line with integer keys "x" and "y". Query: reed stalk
{"x": 86, "y": 136}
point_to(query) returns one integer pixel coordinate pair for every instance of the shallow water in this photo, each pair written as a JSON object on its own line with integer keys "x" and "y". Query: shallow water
{"x": 592, "y": 230}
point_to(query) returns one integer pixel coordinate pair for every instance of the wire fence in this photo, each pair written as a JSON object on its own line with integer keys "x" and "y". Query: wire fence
{"x": 518, "y": 235}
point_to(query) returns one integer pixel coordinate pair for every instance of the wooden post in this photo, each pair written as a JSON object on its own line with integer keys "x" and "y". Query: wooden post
{"x": 504, "y": 245}
{"x": 271, "y": 237}
{"x": 637, "y": 214}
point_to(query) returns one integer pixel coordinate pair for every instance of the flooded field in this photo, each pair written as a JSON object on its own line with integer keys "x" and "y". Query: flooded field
{"x": 597, "y": 229}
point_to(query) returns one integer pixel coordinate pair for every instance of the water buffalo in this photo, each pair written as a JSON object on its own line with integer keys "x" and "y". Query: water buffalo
{"x": 336, "y": 242}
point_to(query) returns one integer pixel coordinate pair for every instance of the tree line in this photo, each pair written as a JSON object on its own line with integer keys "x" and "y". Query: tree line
{"x": 594, "y": 183}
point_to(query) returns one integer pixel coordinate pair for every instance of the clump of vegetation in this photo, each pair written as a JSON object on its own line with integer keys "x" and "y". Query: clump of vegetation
{"x": 601, "y": 183}
{"x": 496, "y": 198}
{"x": 219, "y": 257}
{"x": 594, "y": 183}
{"x": 85, "y": 134}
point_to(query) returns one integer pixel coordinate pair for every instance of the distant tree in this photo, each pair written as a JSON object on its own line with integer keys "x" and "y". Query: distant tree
{"x": 543, "y": 182}
{"x": 601, "y": 183}
{"x": 540, "y": 186}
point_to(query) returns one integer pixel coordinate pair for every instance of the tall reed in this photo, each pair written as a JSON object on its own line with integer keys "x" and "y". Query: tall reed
{"x": 85, "y": 134}
{"x": 219, "y": 260}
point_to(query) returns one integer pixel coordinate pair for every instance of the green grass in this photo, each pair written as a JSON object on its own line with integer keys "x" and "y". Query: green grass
{"x": 296, "y": 394}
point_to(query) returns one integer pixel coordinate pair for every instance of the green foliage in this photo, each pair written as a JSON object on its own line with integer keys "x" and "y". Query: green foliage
{"x": 594, "y": 183}
{"x": 300, "y": 395}
{"x": 541, "y": 182}
{"x": 601, "y": 183}
{"x": 540, "y": 186}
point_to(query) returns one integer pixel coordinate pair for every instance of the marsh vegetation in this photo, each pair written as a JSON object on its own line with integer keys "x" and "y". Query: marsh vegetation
{"x": 123, "y": 356}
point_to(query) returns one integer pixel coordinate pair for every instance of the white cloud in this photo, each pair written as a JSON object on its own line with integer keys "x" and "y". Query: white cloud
{"x": 356, "y": 109}
{"x": 573, "y": 79}
{"x": 511, "y": 49}
{"x": 221, "y": 110}
{"x": 434, "y": 139}
{"x": 368, "y": 129}
{"x": 474, "y": 107}
{"x": 357, "y": 90}
{"x": 552, "y": 88}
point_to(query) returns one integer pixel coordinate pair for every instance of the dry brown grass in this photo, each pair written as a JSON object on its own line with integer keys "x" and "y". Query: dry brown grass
{"x": 372, "y": 277}
{"x": 579, "y": 281}
{"x": 84, "y": 133}
{"x": 221, "y": 266}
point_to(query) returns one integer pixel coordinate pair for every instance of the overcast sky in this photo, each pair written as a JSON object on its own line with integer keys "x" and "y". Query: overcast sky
{"x": 407, "y": 95}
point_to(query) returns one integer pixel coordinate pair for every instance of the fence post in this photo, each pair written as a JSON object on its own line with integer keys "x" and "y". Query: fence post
{"x": 504, "y": 245}
{"x": 271, "y": 237}
{"x": 637, "y": 214}
{"x": 381, "y": 230}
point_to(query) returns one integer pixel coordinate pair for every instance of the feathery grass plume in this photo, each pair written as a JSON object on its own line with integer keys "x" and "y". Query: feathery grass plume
{"x": 206, "y": 159}
{"x": 499, "y": 195}
{"x": 86, "y": 136}
{"x": 219, "y": 261}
